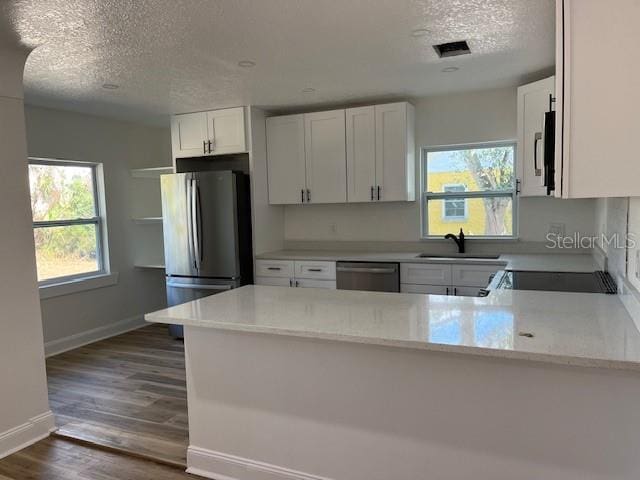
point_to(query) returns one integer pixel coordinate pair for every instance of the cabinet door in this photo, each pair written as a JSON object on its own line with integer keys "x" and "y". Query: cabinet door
{"x": 189, "y": 135}
{"x": 225, "y": 130}
{"x": 274, "y": 281}
{"x": 395, "y": 152}
{"x": 533, "y": 102}
{"x": 325, "y": 153}
{"x": 597, "y": 98}
{"x": 473, "y": 275}
{"x": 361, "y": 154}
{"x": 466, "y": 291}
{"x": 426, "y": 289}
{"x": 285, "y": 159}
{"x": 425, "y": 273}
{"x": 308, "y": 283}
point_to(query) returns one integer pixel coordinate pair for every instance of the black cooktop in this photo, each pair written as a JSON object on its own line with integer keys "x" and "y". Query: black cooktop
{"x": 590, "y": 282}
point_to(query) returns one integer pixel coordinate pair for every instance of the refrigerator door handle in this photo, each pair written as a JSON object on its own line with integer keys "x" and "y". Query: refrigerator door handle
{"x": 199, "y": 230}
{"x": 194, "y": 223}
{"x": 194, "y": 286}
{"x": 190, "y": 243}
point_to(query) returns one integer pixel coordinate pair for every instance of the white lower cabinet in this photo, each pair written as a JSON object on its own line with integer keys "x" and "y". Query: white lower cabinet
{"x": 463, "y": 280}
{"x": 310, "y": 283}
{"x": 466, "y": 291}
{"x": 426, "y": 289}
{"x": 299, "y": 273}
{"x": 273, "y": 281}
{"x": 473, "y": 275}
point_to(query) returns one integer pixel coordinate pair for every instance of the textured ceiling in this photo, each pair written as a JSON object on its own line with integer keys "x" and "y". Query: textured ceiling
{"x": 171, "y": 56}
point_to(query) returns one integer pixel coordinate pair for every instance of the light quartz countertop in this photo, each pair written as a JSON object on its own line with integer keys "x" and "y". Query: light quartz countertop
{"x": 553, "y": 262}
{"x": 580, "y": 329}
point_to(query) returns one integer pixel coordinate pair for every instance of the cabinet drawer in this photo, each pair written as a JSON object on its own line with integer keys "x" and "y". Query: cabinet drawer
{"x": 428, "y": 289}
{"x": 425, "y": 274}
{"x": 274, "y": 268}
{"x": 274, "y": 281}
{"x": 315, "y": 270}
{"x": 309, "y": 283}
{"x": 473, "y": 275}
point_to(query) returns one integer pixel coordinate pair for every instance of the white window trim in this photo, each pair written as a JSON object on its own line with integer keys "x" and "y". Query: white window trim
{"x": 103, "y": 277}
{"x": 80, "y": 284}
{"x": 425, "y": 196}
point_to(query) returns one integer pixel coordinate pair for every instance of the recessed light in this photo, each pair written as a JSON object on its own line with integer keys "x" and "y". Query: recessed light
{"x": 450, "y": 69}
{"x": 246, "y": 64}
{"x": 420, "y": 32}
{"x": 110, "y": 86}
{"x": 308, "y": 90}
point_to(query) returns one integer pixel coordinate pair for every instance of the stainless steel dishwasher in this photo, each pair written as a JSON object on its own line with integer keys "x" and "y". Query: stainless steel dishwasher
{"x": 369, "y": 276}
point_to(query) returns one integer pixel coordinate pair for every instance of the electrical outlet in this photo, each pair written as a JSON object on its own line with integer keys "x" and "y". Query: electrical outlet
{"x": 557, "y": 229}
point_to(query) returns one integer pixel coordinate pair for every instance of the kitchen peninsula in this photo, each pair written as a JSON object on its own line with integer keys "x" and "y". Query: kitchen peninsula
{"x": 323, "y": 384}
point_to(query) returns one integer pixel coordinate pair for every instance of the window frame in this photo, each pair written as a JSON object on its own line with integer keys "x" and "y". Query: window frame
{"x": 425, "y": 196}
{"x": 98, "y": 220}
{"x": 453, "y": 218}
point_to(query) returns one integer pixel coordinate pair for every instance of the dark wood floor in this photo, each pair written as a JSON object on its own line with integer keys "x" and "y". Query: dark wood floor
{"x": 126, "y": 392}
{"x": 59, "y": 459}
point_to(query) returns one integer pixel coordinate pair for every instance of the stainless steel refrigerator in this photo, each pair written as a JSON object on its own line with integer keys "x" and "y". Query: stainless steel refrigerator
{"x": 207, "y": 235}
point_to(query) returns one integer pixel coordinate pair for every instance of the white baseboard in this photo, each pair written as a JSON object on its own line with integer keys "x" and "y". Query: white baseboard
{"x": 30, "y": 432}
{"x": 222, "y": 466}
{"x": 54, "y": 347}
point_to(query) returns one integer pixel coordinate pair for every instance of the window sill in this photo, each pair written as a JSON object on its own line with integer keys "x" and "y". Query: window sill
{"x": 79, "y": 285}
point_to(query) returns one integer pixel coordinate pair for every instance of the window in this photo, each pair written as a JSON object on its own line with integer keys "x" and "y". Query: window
{"x": 472, "y": 187}
{"x": 454, "y": 208}
{"x": 67, "y": 223}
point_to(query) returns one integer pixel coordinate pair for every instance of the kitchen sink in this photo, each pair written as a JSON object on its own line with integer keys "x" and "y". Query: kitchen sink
{"x": 470, "y": 256}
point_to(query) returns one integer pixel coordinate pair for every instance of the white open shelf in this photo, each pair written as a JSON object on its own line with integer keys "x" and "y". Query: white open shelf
{"x": 147, "y": 220}
{"x": 153, "y": 172}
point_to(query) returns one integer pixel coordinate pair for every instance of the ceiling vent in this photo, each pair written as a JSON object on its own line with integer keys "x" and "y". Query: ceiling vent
{"x": 452, "y": 49}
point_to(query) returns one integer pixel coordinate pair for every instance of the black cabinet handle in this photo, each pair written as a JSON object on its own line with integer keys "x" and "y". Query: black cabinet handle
{"x": 204, "y": 146}
{"x": 209, "y": 142}
{"x": 372, "y": 193}
{"x": 315, "y": 269}
{"x": 302, "y": 194}
{"x": 274, "y": 268}
{"x": 447, "y": 291}
{"x": 378, "y": 192}
{"x": 308, "y": 195}
{"x": 455, "y": 291}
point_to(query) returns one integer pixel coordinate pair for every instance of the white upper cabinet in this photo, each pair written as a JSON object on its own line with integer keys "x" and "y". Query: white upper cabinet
{"x": 225, "y": 129}
{"x": 286, "y": 160}
{"x": 395, "y": 152}
{"x": 208, "y": 133}
{"x": 598, "y": 96}
{"x": 361, "y": 154}
{"x": 381, "y": 153}
{"x": 325, "y": 155}
{"x": 533, "y": 102}
{"x": 189, "y": 135}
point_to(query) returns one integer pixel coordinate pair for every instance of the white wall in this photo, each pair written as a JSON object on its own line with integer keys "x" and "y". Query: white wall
{"x": 119, "y": 146}
{"x": 268, "y": 220}
{"x": 443, "y": 120}
{"x": 24, "y": 410}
